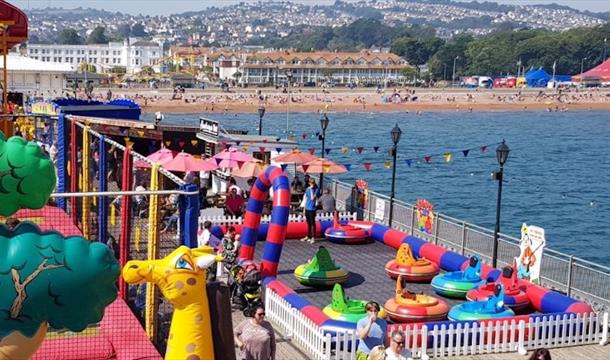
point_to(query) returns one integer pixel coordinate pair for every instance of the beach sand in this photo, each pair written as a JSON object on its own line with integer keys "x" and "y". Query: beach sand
{"x": 366, "y": 100}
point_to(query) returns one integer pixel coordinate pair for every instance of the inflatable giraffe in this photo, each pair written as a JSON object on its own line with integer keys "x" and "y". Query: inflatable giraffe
{"x": 181, "y": 277}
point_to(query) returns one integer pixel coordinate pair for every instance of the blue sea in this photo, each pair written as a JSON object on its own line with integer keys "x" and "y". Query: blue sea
{"x": 557, "y": 175}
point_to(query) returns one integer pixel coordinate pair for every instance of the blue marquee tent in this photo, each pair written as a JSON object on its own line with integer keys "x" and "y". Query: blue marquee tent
{"x": 537, "y": 78}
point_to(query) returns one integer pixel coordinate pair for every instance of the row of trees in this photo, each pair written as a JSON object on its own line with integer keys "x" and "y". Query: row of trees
{"x": 502, "y": 51}
{"x": 70, "y": 36}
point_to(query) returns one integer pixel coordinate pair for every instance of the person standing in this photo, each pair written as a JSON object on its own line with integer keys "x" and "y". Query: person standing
{"x": 256, "y": 337}
{"x": 371, "y": 330}
{"x": 327, "y": 202}
{"x": 311, "y": 197}
{"x": 396, "y": 350}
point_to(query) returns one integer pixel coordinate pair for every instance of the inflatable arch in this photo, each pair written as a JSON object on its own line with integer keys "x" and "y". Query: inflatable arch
{"x": 272, "y": 177}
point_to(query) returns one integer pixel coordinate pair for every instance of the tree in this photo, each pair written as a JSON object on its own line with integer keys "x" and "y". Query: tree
{"x": 138, "y": 30}
{"x": 69, "y": 37}
{"x": 98, "y": 36}
{"x": 124, "y": 30}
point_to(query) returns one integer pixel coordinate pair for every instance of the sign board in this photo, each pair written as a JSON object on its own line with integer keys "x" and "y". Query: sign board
{"x": 379, "y": 209}
{"x": 208, "y": 127}
{"x": 532, "y": 244}
{"x": 425, "y": 216}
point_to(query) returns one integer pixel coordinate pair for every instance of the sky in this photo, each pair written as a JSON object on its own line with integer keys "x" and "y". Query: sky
{"x": 164, "y": 7}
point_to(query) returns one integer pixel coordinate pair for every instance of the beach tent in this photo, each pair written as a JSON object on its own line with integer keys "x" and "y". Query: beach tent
{"x": 537, "y": 78}
{"x": 601, "y": 71}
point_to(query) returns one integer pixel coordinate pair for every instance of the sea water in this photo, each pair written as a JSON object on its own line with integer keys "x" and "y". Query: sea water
{"x": 557, "y": 175}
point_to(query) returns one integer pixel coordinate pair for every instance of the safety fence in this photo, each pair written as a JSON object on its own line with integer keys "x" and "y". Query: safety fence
{"x": 140, "y": 212}
{"x": 266, "y": 219}
{"x": 576, "y": 277}
{"x": 444, "y": 339}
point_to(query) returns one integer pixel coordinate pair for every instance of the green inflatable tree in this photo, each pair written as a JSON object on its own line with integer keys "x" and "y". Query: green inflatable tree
{"x": 27, "y": 175}
{"x": 45, "y": 278}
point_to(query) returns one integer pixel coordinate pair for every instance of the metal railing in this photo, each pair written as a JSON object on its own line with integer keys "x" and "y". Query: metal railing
{"x": 576, "y": 277}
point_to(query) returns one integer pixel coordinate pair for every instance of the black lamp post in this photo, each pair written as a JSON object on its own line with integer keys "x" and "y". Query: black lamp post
{"x": 323, "y": 124}
{"x": 396, "y": 132}
{"x": 502, "y": 155}
{"x": 261, "y": 113}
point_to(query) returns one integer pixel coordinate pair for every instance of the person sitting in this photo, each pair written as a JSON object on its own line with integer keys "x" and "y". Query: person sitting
{"x": 234, "y": 203}
{"x": 327, "y": 201}
{"x": 172, "y": 222}
{"x": 233, "y": 185}
{"x": 296, "y": 185}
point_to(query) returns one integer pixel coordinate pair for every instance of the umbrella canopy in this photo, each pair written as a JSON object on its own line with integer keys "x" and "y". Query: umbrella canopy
{"x": 233, "y": 154}
{"x": 320, "y": 166}
{"x": 186, "y": 162}
{"x": 295, "y": 156}
{"x": 249, "y": 169}
{"x": 161, "y": 157}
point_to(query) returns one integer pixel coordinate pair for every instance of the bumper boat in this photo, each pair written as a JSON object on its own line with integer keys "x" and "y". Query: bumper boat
{"x": 515, "y": 296}
{"x": 491, "y": 308}
{"x": 457, "y": 283}
{"x": 320, "y": 270}
{"x": 346, "y": 234}
{"x": 344, "y": 309}
{"x": 410, "y": 268}
{"x": 406, "y": 306}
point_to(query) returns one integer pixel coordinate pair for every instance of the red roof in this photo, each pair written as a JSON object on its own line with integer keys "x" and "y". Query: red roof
{"x": 601, "y": 71}
{"x": 17, "y": 23}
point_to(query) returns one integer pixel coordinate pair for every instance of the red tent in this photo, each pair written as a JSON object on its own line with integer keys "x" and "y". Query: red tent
{"x": 601, "y": 71}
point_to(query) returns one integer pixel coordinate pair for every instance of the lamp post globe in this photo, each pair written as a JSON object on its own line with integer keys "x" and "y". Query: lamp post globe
{"x": 261, "y": 113}
{"x": 501, "y": 155}
{"x": 396, "y": 132}
{"x": 324, "y": 121}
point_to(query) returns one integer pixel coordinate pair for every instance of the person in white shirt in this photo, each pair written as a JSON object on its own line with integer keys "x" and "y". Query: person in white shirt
{"x": 396, "y": 350}
{"x": 206, "y": 238}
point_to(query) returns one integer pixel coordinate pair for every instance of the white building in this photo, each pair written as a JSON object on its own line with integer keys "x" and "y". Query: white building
{"x": 104, "y": 57}
{"x": 35, "y": 77}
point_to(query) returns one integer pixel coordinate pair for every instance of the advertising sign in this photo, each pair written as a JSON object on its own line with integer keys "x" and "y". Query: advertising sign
{"x": 532, "y": 245}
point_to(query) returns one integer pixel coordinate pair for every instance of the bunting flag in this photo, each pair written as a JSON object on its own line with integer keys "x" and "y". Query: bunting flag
{"x": 408, "y": 162}
{"x": 194, "y": 142}
{"x": 359, "y": 149}
{"x": 218, "y": 161}
{"x": 278, "y": 150}
{"x": 318, "y": 134}
{"x": 348, "y": 167}
{"x": 387, "y": 164}
{"x": 292, "y": 138}
{"x": 376, "y": 148}
{"x": 181, "y": 143}
{"x": 126, "y": 139}
{"x": 240, "y": 164}
{"x": 344, "y": 150}
{"x": 428, "y": 159}
{"x": 304, "y": 136}
{"x": 198, "y": 157}
{"x": 284, "y": 167}
{"x": 447, "y": 156}
{"x": 312, "y": 151}
{"x": 245, "y": 148}
{"x": 227, "y": 146}
{"x": 305, "y": 167}
{"x": 129, "y": 144}
{"x": 483, "y": 148}
{"x": 327, "y": 151}
{"x": 278, "y": 139}
{"x": 465, "y": 152}
{"x": 140, "y": 133}
{"x": 295, "y": 150}
{"x": 237, "y": 143}
{"x": 326, "y": 168}
{"x": 367, "y": 166}
{"x": 262, "y": 165}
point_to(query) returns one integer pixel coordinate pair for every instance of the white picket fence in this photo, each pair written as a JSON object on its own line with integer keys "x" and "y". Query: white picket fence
{"x": 265, "y": 219}
{"x": 447, "y": 340}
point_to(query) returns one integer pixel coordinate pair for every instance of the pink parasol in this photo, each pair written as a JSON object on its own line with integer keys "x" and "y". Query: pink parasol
{"x": 233, "y": 154}
{"x": 295, "y": 156}
{"x": 186, "y": 162}
{"x": 320, "y": 166}
{"x": 249, "y": 169}
{"x": 160, "y": 156}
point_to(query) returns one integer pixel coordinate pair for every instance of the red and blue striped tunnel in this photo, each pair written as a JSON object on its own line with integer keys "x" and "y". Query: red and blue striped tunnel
{"x": 273, "y": 176}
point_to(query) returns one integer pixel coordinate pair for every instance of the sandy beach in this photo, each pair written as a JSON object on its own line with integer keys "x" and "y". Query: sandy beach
{"x": 364, "y": 100}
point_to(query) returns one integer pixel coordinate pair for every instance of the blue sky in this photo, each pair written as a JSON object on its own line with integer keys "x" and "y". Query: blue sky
{"x": 156, "y": 7}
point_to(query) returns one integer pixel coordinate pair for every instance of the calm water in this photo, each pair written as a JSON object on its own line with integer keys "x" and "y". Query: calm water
{"x": 557, "y": 175}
